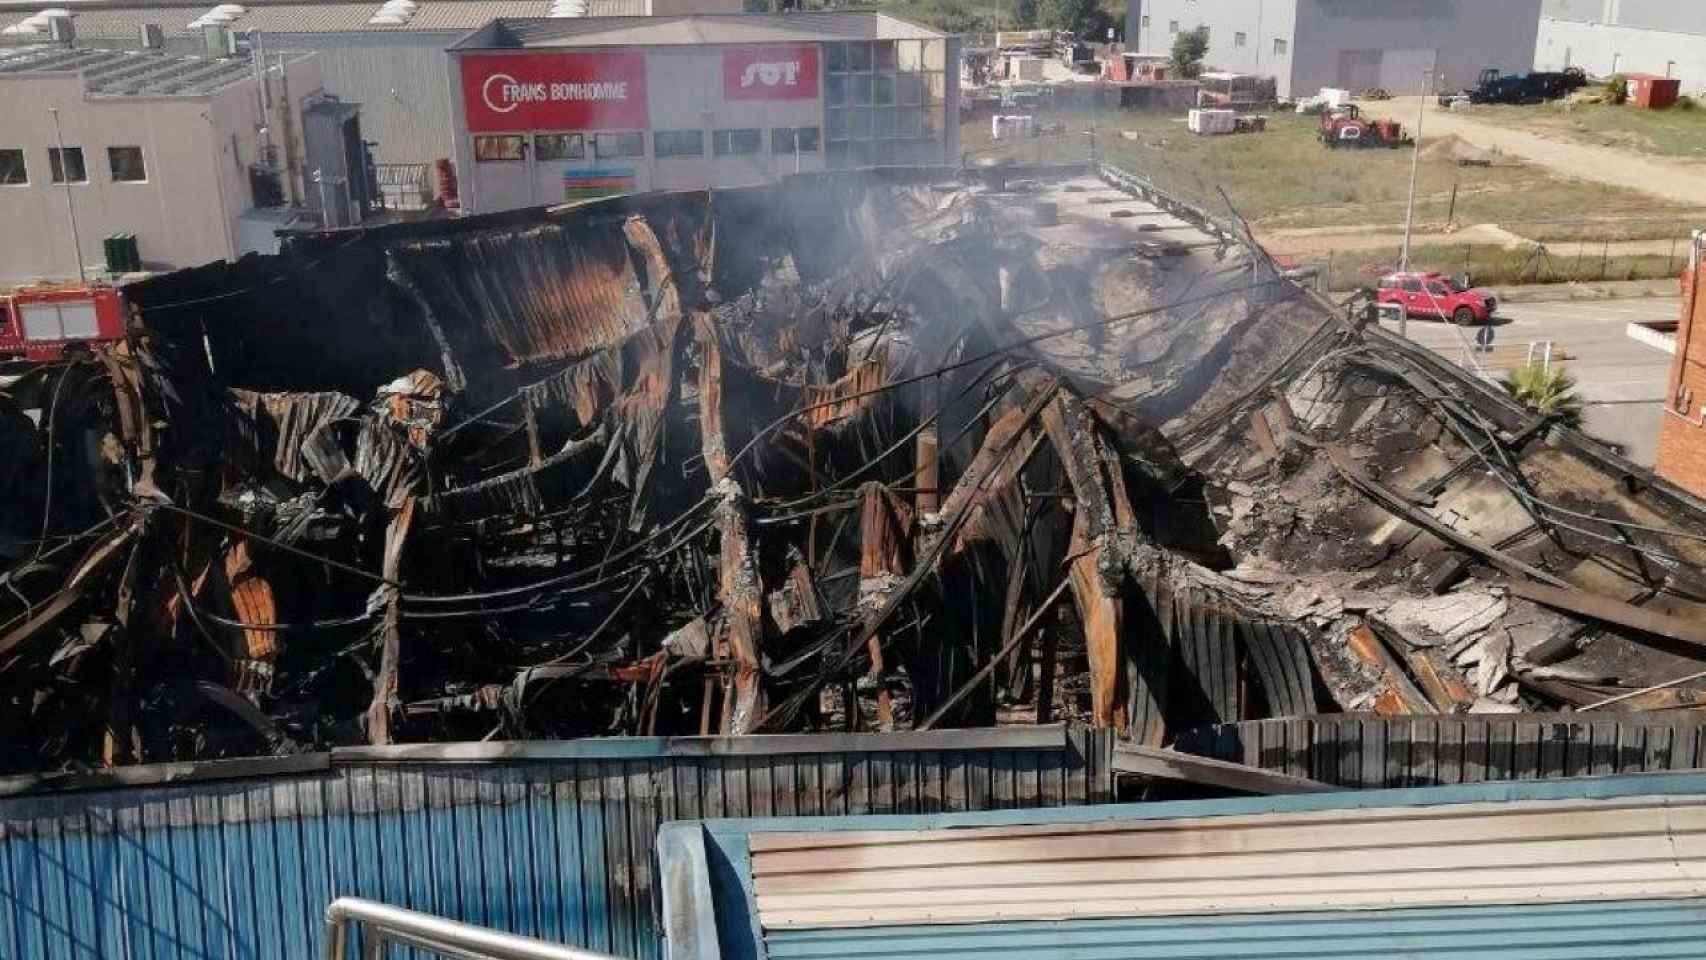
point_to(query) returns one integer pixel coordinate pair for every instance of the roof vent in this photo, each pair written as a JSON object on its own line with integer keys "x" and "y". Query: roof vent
{"x": 221, "y": 14}
{"x": 394, "y": 13}
{"x": 37, "y": 23}
{"x": 568, "y": 8}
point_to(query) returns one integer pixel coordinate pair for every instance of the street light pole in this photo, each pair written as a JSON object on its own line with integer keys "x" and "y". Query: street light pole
{"x": 70, "y": 208}
{"x": 1410, "y": 205}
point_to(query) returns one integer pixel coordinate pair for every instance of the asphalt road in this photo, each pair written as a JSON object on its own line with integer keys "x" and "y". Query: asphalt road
{"x": 1622, "y": 380}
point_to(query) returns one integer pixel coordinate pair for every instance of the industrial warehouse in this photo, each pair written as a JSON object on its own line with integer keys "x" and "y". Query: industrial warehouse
{"x": 559, "y": 109}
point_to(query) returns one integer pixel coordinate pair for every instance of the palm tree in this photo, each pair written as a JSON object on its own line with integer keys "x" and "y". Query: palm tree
{"x": 1546, "y": 390}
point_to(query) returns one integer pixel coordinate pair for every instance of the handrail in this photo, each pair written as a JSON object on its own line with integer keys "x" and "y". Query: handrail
{"x": 383, "y": 923}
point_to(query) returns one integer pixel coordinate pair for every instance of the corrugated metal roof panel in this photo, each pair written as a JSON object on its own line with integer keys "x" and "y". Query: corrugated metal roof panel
{"x": 709, "y": 28}
{"x": 1622, "y": 930}
{"x": 124, "y": 21}
{"x": 1489, "y": 853}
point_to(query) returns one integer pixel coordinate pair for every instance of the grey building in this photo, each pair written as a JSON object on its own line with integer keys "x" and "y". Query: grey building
{"x": 388, "y": 57}
{"x": 555, "y": 110}
{"x": 1665, "y": 37}
{"x": 98, "y": 142}
{"x": 1355, "y": 44}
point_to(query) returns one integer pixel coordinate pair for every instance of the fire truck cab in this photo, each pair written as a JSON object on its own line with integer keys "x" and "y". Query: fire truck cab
{"x": 40, "y": 323}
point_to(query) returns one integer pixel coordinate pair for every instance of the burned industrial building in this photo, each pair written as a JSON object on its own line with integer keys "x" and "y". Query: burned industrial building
{"x": 875, "y": 451}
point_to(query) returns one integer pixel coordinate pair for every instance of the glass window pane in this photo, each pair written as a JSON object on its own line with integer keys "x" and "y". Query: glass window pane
{"x": 835, "y": 57}
{"x": 935, "y": 55}
{"x": 936, "y": 88}
{"x": 12, "y": 170}
{"x": 126, "y": 164}
{"x": 909, "y": 55}
{"x": 882, "y": 89}
{"x": 861, "y": 90}
{"x": 782, "y": 140}
{"x": 736, "y": 142}
{"x": 837, "y": 122}
{"x": 908, "y": 89}
{"x": 67, "y": 167}
{"x": 679, "y": 143}
{"x": 495, "y": 149}
{"x": 838, "y": 154}
{"x": 907, "y": 123}
{"x": 859, "y": 57}
{"x": 835, "y": 91}
{"x": 559, "y": 146}
{"x": 806, "y": 139}
{"x": 883, "y": 55}
{"x": 859, "y": 124}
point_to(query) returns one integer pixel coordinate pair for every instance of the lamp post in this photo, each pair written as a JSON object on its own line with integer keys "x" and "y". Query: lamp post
{"x": 65, "y": 181}
{"x": 1410, "y": 205}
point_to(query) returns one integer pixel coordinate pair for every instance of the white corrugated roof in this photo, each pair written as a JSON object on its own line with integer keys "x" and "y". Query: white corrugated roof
{"x": 697, "y": 29}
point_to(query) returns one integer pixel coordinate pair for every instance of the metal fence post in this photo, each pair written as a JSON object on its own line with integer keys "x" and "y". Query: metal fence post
{"x": 1605, "y": 259}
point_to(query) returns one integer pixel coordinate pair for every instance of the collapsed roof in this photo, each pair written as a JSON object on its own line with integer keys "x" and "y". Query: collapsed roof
{"x": 867, "y": 451}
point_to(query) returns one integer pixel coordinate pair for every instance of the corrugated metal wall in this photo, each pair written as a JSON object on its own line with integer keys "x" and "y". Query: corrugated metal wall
{"x": 1461, "y": 854}
{"x": 401, "y": 81}
{"x": 556, "y": 842}
{"x": 1369, "y": 752}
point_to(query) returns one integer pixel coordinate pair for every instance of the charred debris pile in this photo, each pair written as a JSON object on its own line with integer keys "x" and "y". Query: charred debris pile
{"x": 841, "y": 453}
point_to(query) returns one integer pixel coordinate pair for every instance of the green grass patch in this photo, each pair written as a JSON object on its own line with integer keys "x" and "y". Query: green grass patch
{"x": 1666, "y": 133}
{"x": 1285, "y": 178}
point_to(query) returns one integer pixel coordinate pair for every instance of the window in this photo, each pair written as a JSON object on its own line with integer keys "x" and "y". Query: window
{"x": 126, "y": 164}
{"x": 1144, "y": 23}
{"x": 1279, "y": 47}
{"x": 679, "y": 143}
{"x": 731, "y": 142}
{"x": 1438, "y": 289}
{"x": 1240, "y": 39}
{"x": 67, "y": 167}
{"x": 496, "y": 149}
{"x": 790, "y": 139}
{"x": 559, "y": 146}
{"x": 615, "y": 146}
{"x": 1172, "y": 26}
{"x": 1412, "y": 286}
{"x": 12, "y": 172}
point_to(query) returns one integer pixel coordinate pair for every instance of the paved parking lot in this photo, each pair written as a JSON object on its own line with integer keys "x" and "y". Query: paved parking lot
{"x": 1623, "y": 381}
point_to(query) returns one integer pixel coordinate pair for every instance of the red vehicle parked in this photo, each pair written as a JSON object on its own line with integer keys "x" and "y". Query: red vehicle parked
{"x": 39, "y": 323}
{"x": 1437, "y": 295}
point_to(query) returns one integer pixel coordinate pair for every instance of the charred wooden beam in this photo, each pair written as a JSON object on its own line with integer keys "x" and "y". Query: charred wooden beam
{"x": 1615, "y": 612}
{"x": 384, "y": 704}
{"x": 740, "y": 586}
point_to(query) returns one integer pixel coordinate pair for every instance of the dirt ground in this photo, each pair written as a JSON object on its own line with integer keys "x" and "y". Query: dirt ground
{"x": 1674, "y": 181}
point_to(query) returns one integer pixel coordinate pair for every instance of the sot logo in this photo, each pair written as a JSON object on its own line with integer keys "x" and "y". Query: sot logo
{"x": 785, "y": 73}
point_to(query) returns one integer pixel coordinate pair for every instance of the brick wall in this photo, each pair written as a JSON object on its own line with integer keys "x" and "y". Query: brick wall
{"x": 1682, "y": 437}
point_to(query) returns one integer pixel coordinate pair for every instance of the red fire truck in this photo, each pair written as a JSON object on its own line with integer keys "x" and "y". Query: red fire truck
{"x": 39, "y": 323}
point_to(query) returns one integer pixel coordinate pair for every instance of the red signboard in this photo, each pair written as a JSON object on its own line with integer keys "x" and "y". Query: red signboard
{"x": 770, "y": 73}
{"x": 555, "y": 91}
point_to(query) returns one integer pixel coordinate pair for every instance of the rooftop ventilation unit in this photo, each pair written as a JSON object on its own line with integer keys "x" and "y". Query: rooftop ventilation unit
{"x": 222, "y": 14}
{"x": 562, "y": 9}
{"x": 41, "y": 22}
{"x": 394, "y": 13}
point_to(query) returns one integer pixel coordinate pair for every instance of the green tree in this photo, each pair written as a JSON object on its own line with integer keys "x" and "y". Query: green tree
{"x": 1189, "y": 47}
{"x": 1084, "y": 19}
{"x": 1550, "y": 392}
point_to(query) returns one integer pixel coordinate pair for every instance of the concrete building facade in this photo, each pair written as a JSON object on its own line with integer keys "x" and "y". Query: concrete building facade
{"x": 554, "y": 110}
{"x": 156, "y": 146}
{"x": 1682, "y": 434}
{"x": 1663, "y": 37}
{"x": 1305, "y": 45}
{"x": 392, "y": 63}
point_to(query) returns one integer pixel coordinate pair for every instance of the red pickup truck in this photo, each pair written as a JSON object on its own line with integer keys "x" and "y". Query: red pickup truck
{"x": 1437, "y": 295}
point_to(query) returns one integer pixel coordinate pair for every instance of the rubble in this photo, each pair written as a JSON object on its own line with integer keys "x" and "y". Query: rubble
{"x": 857, "y": 451}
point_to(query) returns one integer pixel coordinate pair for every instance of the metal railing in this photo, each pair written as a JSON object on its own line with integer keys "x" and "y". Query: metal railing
{"x": 380, "y": 925}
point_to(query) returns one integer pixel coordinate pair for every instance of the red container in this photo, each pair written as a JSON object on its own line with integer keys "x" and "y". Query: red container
{"x": 1649, "y": 91}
